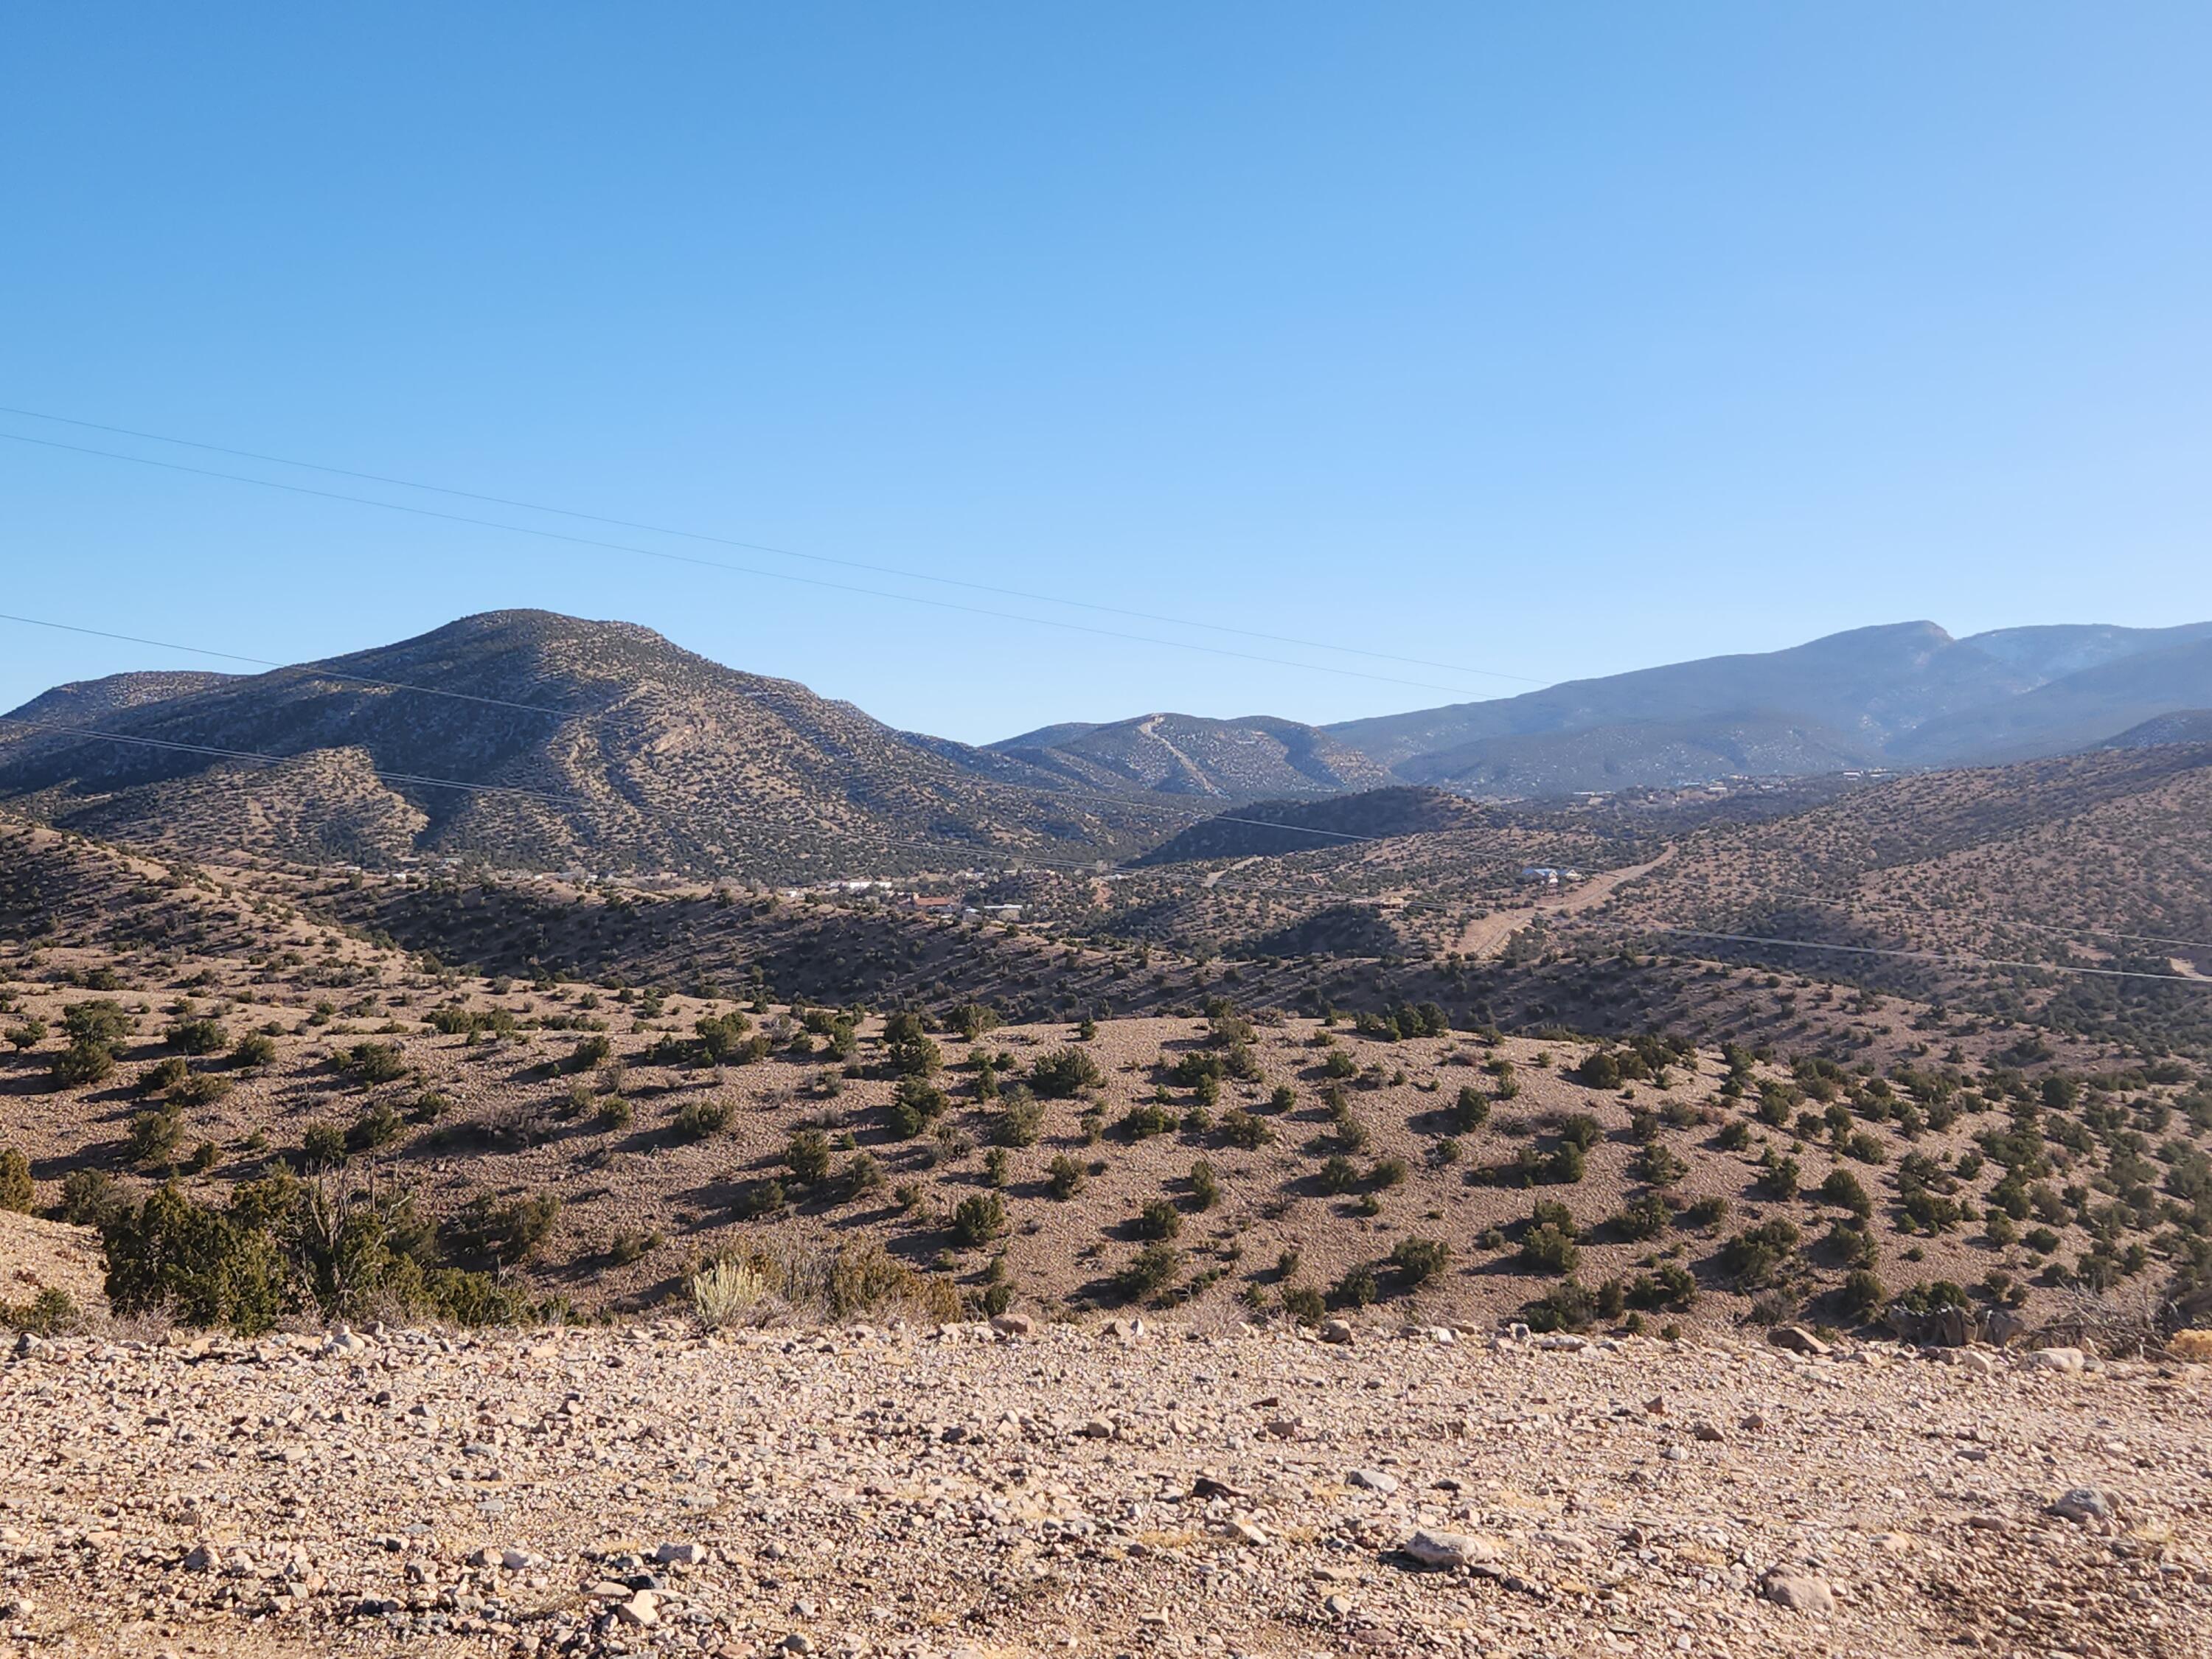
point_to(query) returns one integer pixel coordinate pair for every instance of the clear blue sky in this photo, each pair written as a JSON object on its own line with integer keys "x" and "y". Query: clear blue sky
{"x": 1553, "y": 339}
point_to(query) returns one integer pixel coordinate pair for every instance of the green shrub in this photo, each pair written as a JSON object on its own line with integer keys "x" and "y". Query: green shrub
{"x": 1241, "y": 1129}
{"x": 1388, "y": 1172}
{"x": 613, "y": 1112}
{"x": 862, "y": 1176}
{"x": 1143, "y": 1122}
{"x": 1842, "y": 1187}
{"x": 1862, "y": 1296}
{"x": 1417, "y": 1261}
{"x": 156, "y": 1136}
{"x": 1159, "y": 1219}
{"x": 205, "y": 1265}
{"x": 701, "y": 1117}
{"x": 1671, "y": 1286}
{"x": 15, "y": 1193}
{"x": 1752, "y": 1257}
{"x": 1570, "y": 1306}
{"x": 1470, "y": 1111}
{"x": 1304, "y": 1303}
{"x": 1205, "y": 1186}
{"x": 1019, "y": 1124}
{"x": 379, "y": 1126}
{"x": 27, "y": 1036}
{"x": 1645, "y": 1216}
{"x": 508, "y": 1230}
{"x": 254, "y": 1050}
{"x": 1706, "y": 1213}
{"x": 373, "y": 1062}
{"x": 102, "y": 1023}
{"x": 1064, "y": 1177}
{"x": 323, "y": 1146}
{"x": 1150, "y": 1270}
{"x": 1339, "y": 1175}
{"x": 978, "y": 1219}
{"x": 807, "y": 1156}
{"x": 90, "y": 1198}
{"x": 1064, "y": 1073}
{"x": 916, "y": 1104}
{"x": 1549, "y": 1248}
{"x": 83, "y": 1064}
{"x": 1356, "y": 1288}
{"x": 199, "y": 1037}
{"x": 588, "y": 1053}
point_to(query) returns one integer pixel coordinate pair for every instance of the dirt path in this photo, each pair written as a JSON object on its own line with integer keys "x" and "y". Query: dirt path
{"x": 1149, "y": 726}
{"x": 1229, "y": 870}
{"x": 1485, "y": 936}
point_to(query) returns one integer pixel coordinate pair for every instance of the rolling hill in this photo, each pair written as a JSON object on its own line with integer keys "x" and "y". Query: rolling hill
{"x": 527, "y": 739}
{"x": 1248, "y": 759}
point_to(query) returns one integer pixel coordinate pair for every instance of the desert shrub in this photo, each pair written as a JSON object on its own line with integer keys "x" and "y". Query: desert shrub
{"x": 1752, "y": 1256}
{"x": 1282, "y": 1098}
{"x": 1853, "y": 1244}
{"x": 1205, "y": 1186}
{"x": 1417, "y": 1261}
{"x": 1842, "y": 1187}
{"x": 861, "y": 1175}
{"x": 1671, "y": 1286}
{"x": 1735, "y": 1135}
{"x": 972, "y": 1019}
{"x": 701, "y": 1117}
{"x": 1064, "y": 1073}
{"x": 1356, "y": 1288}
{"x": 724, "y": 1039}
{"x": 1019, "y": 1124}
{"x": 1064, "y": 1177}
{"x": 15, "y": 1193}
{"x": 1645, "y": 1216}
{"x": 1600, "y": 1069}
{"x": 588, "y": 1053}
{"x": 1470, "y": 1111}
{"x": 1388, "y": 1172}
{"x": 1142, "y": 1123}
{"x": 807, "y": 1156}
{"x": 1778, "y": 1175}
{"x": 199, "y": 1037}
{"x": 101, "y": 1022}
{"x": 52, "y": 1312}
{"x": 908, "y": 1048}
{"x": 201, "y": 1089}
{"x": 1339, "y": 1065}
{"x": 373, "y": 1062}
{"x": 255, "y": 1050}
{"x": 90, "y": 1198}
{"x": 156, "y": 1136}
{"x": 756, "y": 1199}
{"x": 1159, "y": 1220}
{"x": 1548, "y": 1245}
{"x": 1241, "y": 1129}
{"x": 613, "y": 1112}
{"x": 997, "y": 1168}
{"x": 1150, "y": 1270}
{"x": 508, "y": 1230}
{"x": 1706, "y": 1213}
{"x": 1659, "y": 1166}
{"x": 26, "y": 1036}
{"x": 1338, "y": 1174}
{"x": 206, "y": 1266}
{"x": 726, "y": 1293}
{"x": 379, "y": 1126}
{"x": 1862, "y": 1295}
{"x": 1570, "y": 1306}
{"x": 979, "y": 1218}
{"x": 1304, "y": 1303}
{"x": 83, "y": 1064}
{"x": 916, "y": 1104}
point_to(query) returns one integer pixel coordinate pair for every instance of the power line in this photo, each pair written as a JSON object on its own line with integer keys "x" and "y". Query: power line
{"x": 762, "y": 547}
{"x": 1936, "y": 957}
{"x": 718, "y": 564}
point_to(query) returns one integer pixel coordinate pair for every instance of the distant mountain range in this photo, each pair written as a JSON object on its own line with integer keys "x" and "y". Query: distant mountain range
{"x": 602, "y": 745}
{"x": 1904, "y": 695}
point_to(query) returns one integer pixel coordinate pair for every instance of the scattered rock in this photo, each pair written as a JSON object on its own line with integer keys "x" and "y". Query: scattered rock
{"x": 1796, "y": 1338}
{"x": 1449, "y": 1549}
{"x": 2066, "y": 1362}
{"x": 1338, "y": 1331}
{"x": 1800, "y": 1592}
{"x": 1373, "y": 1481}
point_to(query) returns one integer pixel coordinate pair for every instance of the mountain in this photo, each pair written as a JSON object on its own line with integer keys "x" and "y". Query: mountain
{"x": 2183, "y": 725}
{"x": 1247, "y": 759}
{"x": 590, "y": 744}
{"x": 1903, "y": 694}
{"x": 83, "y": 700}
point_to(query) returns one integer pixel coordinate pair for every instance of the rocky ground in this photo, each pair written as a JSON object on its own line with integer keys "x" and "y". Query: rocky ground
{"x": 1093, "y": 1489}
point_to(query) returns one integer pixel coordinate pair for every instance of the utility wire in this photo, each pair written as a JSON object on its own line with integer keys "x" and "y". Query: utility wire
{"x": 761, "y": 547}
{"x": 1936, "y": 957}
{"x": 736, "y": 570}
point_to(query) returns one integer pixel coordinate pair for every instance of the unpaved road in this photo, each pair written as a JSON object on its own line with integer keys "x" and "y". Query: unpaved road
{"x": 1485, "y": 936}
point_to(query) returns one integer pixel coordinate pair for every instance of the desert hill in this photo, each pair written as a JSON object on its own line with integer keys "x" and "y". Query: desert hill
{"x": 619, "y": 751}
{"x": 1243, "y": 759}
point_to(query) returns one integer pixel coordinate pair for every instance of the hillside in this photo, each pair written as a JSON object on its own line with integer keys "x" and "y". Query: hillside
{"x": 1243, "y": 759}
{"x": 1250, "y": 831}
{"x": 1907, "y": 694}
{"x": 615, "y": 750}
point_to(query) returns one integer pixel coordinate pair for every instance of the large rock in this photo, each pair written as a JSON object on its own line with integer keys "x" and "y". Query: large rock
{"x": 2067, "y": 1362}
{"x": 1449, "y": 1549}
{"x": 1796, "y": 1340}
{"x": 1800, "y": 1592}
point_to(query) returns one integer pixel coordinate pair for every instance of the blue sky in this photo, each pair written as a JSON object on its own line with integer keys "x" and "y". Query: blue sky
{"x": 1549, "y": 340}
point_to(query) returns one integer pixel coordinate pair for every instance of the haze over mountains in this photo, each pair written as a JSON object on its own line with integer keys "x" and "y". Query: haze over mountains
{"x": 601, "y": 744}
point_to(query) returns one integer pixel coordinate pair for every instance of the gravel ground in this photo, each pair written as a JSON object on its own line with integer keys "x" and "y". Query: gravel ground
{"x": 1089, "y": 1490}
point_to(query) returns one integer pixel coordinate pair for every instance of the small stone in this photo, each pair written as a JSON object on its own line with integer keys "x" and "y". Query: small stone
{"x": 1012, "y": 1324}
{"x": 1800, "y": 1593}
{"x": 2066, "y": 1362}
{"x": 1096, "y": 1428}
{"x": 1373, "y": 1481}
{"x": 797, "y": 1642}
{"x": 1708, "y": 1432}
{"x": 643, "y": 1609}
{"x": 681, "y": 1555}
{"x": 1337, "y": 1331}
{"x": 1796, "y": 1338}
{"x": 1338, "y": 1605}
